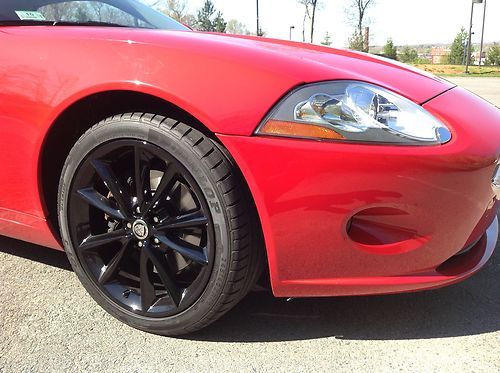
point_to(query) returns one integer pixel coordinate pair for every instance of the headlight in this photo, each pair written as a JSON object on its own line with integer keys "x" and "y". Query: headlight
{"x": 353, "y": 111}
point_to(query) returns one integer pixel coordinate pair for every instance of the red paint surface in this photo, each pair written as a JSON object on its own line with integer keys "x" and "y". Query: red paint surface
{"x": 305, "y": 191}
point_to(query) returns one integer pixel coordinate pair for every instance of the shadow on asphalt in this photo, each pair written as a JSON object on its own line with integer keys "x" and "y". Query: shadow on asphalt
{"x": 469, "y": 308}
{"x": 36, "y": 253}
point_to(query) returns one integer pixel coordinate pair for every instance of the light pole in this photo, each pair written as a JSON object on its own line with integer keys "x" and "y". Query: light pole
{"x": 291, "y": 28}
{"x": 482, "y": 34}
{"x": 467, "y": 58}
{"x": 258, "y": 21}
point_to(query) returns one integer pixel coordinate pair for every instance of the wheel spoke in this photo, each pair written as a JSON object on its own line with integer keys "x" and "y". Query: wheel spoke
{"x": 187, "y": 250}
{"x": 100, "y": 202}
{"x": 167, "y": 182}
{"x": 148, "y": 294}
{"x": 92, "y": 242}
{"x": 113, "y": 265}
{"x": 140, "y": 226}
{"x": 161, "y": 266}
{"x": 119, "y": 191}
{"x": 141, "y": 168}
{"x": 191, "y": 220}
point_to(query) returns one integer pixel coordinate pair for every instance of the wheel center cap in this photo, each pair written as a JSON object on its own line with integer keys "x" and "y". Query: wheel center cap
{"x": 140, "y": 229}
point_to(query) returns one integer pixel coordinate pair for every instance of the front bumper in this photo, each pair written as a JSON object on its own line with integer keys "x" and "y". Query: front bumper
{"x": 456, "y": 269}
{"x": 347, "y": 219}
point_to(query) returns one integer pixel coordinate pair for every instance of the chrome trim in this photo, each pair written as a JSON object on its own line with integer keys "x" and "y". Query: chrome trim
{"x": 492, "y": 235}
{"x": 495, "y": 182}
{"x": 465, "y": 250}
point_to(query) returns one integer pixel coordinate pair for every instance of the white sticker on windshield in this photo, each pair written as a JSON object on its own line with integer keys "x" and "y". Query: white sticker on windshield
{"x": 30, "y": 16}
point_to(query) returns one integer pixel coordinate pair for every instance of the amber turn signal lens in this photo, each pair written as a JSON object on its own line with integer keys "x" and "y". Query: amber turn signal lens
{"x": 293, "y": 129}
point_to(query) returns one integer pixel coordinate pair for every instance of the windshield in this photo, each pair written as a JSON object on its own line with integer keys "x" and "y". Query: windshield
{"x": 114, "y": 13}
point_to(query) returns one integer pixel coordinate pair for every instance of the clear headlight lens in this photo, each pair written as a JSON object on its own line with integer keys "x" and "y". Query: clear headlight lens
{"x": 353, "y": 111}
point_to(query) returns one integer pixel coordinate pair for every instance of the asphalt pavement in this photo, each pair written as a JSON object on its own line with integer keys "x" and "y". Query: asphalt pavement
{"x": 487, "y": 88}
{"x": 49, "y": 323}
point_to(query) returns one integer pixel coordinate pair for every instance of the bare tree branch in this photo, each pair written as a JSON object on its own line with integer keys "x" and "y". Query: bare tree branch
{"x": 310, "y": 7}
{"x": 357, "y": 12}
{"x": 315, "y": 5}
{"x": 307, "y": 14}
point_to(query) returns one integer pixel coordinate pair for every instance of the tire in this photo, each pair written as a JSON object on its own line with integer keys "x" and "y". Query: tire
{"x": 133, "y": 270}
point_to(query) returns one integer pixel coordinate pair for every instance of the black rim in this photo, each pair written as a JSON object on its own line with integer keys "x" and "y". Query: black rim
{"x": 141, "y": 228}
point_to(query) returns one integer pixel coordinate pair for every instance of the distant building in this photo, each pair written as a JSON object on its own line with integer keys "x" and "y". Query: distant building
{"x": 438, "y": 54}
{"x": 475, "y": 56}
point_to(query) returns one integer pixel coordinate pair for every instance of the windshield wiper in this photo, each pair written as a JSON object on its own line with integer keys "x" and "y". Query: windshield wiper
{"x": 57, "y": 23}
{"x": 25, "y": 22}
{"x": 87, "y": 23}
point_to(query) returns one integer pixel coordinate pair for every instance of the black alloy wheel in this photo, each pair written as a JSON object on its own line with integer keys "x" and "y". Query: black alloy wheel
{"x": 155, "y": 224}
{"x": 143, "y": 233}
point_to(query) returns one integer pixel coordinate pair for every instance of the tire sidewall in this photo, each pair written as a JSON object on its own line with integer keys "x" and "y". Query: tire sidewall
{"x": 200, "y": 171}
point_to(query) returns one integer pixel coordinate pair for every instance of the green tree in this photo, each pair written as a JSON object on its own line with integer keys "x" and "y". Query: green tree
{"x": 206, "y": 20}
{"x": 219, "y": 24}
{"x": 408, "y": 55}
{"x": 356, "y": 42}
{"x": 327, "y": 40}
{"x": 457, "y": 53}
{"x": 390, "y": 50}
{"x": 494, "y": 55}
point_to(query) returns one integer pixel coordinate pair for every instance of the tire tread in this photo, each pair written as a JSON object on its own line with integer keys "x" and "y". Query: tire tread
{"x": 246, "y": 255}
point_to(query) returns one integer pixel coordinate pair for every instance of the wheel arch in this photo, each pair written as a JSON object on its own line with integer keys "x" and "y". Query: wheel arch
{"x": 79, "y": 116}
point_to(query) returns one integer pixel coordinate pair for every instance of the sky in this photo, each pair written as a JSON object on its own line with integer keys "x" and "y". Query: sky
{"x": 407, "y": 22}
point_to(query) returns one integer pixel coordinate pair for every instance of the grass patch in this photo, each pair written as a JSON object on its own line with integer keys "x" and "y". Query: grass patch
{"x": 457, "y": 70}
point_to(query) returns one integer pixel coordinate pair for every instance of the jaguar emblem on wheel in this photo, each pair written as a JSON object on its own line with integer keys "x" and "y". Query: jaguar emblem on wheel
{"x": 140, "y": 229}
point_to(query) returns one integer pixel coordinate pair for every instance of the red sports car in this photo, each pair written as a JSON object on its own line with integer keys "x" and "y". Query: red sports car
{"x": 174, "y": 166}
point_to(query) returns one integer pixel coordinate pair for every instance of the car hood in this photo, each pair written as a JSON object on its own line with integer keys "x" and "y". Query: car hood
{"x": 292, "y": 63}
{"x": 307, "y": 63}
{"x": 228, "y": 83}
